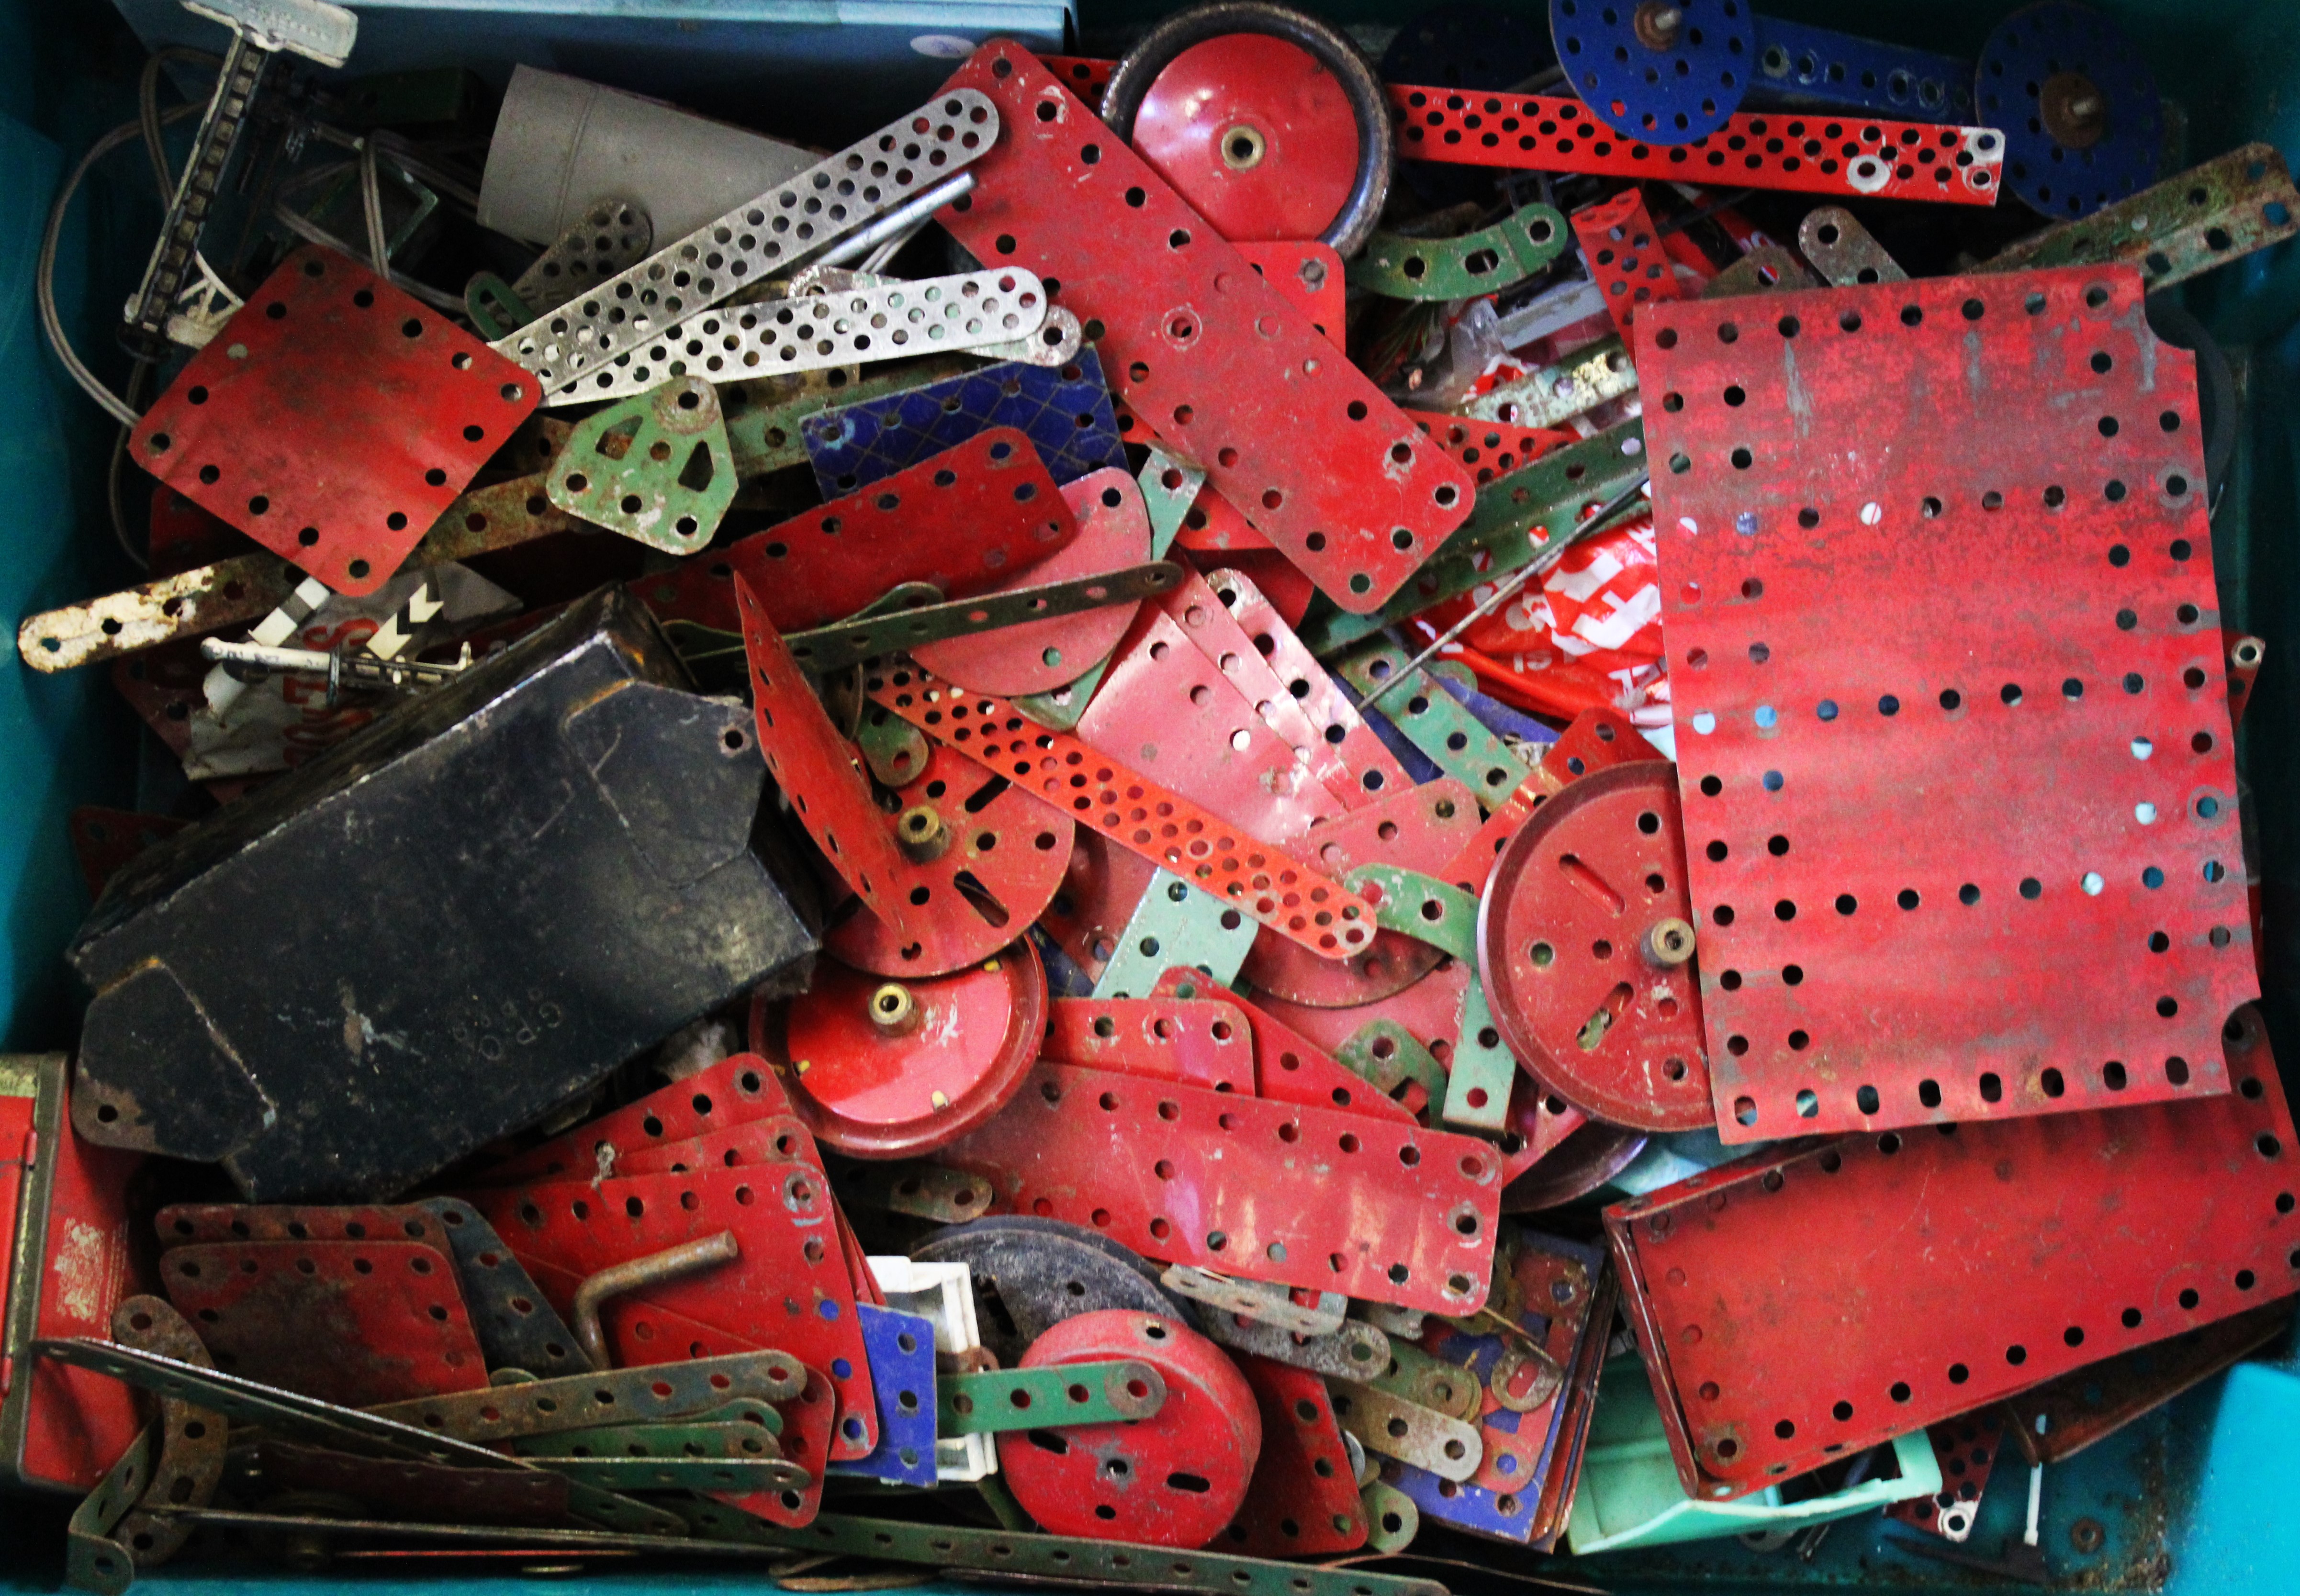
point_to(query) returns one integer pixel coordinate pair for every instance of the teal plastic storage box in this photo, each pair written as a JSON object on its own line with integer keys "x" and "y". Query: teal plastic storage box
{"x": 2197, "y": 1499}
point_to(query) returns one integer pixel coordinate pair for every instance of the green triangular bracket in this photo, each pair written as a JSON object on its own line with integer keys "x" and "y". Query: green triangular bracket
{"x": 655, "y": 468}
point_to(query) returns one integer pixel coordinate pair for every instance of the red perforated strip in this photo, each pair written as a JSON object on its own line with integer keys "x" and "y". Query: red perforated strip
{"x": 1202, "y": 1043}
{"x": 1267, "y": 883}
{"x": 1808, "y": 154}
{"x": 1625, "y": 258}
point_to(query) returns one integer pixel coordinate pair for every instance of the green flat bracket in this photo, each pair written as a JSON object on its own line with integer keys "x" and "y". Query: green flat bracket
{"x": 1552, "y": 493}
{"x": 688, "y": 1438}
{"x": 1434, "y": 721}
{"x": 998, "y": 1496}
{"x": 1387, "y": 1057}
{"x": 1482, "y": 1071}
{"x": 1393, "y": 1518}
{"x": 1421, "y": 907}
{"x": 1106, "y": 1391}
{"x": 1432, "y": 1383}
{"x": 1480, "y": 262}
{"x": 1170, "y": 488}
{"x": 895, "y": 750}
{"x": 1176, "y": 923}
{"x": 1054, "y": 1558}
{"x": 763, "y": 413}
{"x": 2182, "y": 228}
{"x": 93, "y": 1560}
{"x": 1583, "y": 380}
{"x": 494, "y": 306}
{"x": 654, "y": 468}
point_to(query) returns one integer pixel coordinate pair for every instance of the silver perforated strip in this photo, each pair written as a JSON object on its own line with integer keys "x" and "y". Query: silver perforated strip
{"x": 783, "y": 228}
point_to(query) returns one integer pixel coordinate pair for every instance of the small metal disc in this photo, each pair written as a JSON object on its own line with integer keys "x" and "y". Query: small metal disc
{"x": 1664, "y": 71}
{"x": 1173, "y": 1479}
{"x": 890, "y": 1069}
{"x": 1585, "y": 942}
{"x": 2083, "y": 123}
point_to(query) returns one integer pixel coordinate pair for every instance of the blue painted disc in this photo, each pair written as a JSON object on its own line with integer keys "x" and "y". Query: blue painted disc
{"x": 1661, "y": 71}
{"x": 2083, "y": 125}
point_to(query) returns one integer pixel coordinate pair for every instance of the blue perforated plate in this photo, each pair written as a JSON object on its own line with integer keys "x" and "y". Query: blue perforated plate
{"x": 1063, "y": 410}
{"x": 901, "y": 1346}
{"x": 2029, "y": 67}
{"x": 1670, "y": 92}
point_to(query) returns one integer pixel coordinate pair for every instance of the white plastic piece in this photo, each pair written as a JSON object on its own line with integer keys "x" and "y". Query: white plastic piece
{"x": 311, "y": 28}
{"x": 817, "y": 331}
{"x": 943, "y": 1294}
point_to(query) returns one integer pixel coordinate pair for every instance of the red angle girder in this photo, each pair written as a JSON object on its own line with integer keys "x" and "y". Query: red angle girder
{"x": 875, "y": 1090}
{"x": 333, "y": 419}
{"x": 1953, "y": 728}
{"x": 1966, "y": 1450}
{"x": 1267, "y": 1191}
{"x": 1196, "y": 1043}
{"x": 1172, "y": 1479}
{"x": 1266, "y": 882}
{"x": 1585, "y": 942}
{"x": 1795, "y": 1308}
{"x": 1622, "y": 249}
{"x": 1223, "y": 363}
{"x": 1304, "y": 1498}
{"x": 353, "y": 1323}
{"x": 1866, "y": 156}
{"x": 968, "y": 520}
{"x": 989, "y": 866}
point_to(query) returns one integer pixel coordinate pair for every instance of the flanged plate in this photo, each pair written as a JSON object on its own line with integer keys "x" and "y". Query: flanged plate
{"x": 987, "y": 871}
{"x": 2083, "y": 124}
{"x": 890, "y": 1069}
{"x": 1174, "y": 1479}
{"x": 1585, "y": 942}
{"x": 1256, "y": 132}
{"x": 1665, "y": 71}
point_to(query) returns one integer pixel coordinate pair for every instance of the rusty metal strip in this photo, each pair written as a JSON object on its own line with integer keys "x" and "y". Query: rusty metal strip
{"x": 850, "y": 643}
{"x": 646, "y": 1393}
{"x": 1383, "y": 1210}
{"x": 1819, "y": 153}
{"x": 191, "y": 1438}
{"x": 95, "y": 1558}
{"x": 2183, "y": 226}
{"x": 1778, "y": 1333}
{"x": 1264, "y": 882}
{"x": 1768, "y": 269}
{"x": 1252, "y": 1299}
{"x": 1574, "y": 385}
{"x": 1845, "y": 251}
{"x": 1354, "y": 1351}
{"x": 1227, "y": 365}
{"x": 1412, "y": 1433}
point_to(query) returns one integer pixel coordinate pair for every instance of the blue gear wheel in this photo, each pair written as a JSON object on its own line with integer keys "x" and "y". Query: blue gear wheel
{"x": 1659, "y": 71}
{"x": 2083, "y": 124}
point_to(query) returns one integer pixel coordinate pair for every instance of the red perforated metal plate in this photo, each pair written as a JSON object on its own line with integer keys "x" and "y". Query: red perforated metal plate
{"x": 1305, "y": 1495}
{"x": 1372, "y": 769}
{"x": 1168, "y": 710}
{"x": 353, "y": 1323}
{"x": 1113, "y": 532}
{"x": 1809, "y": 154}
{"x": 1206, "y": 620}
{"x": 1952, "y": 731}
{"x": 1268, "y": 1190}
{"x": 1101, "y": 888}
{"x": 1794, "y": 1308}
{"x": 734, "y": 1091}
{"x": 1155, "y": 822}
{"x": 333, "y": 418}
{"x": 1595, "y": 740}
{"x": 1488, "y": 449}
{"x": 789, "y": 1287}
{"x": 1626, "y": 260}
{"x": 988, "y": 864}
{"x": 1585, "y": 943}
{"x": 818, "y": 771}
{"x": 1429, "y": 1009}
{"x": 884, "y": 1070}
{"x": 1223, "y": 364}
{"x": 966, "y": 521}
{"x": 1203, "y": 1043}
{"x": 1966, "y": 1450}
{"x": 1172, "y": 1479}
{"x": 1287, "y": 1065}
{"x": 1309, "y": 273}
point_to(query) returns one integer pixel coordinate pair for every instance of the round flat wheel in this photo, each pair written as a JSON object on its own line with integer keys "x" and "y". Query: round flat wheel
{"x": 1585, "y": 941}
{"x": 1665, "y": 71}
{"x": 1173, "y": 1479}
{"x": 891, "y": 1070}
{"x": 2083, "y": 123}
{"x": 977, "y": 874}
{"x": 1270, "y": 123}
{"x": 1113, "y": 531}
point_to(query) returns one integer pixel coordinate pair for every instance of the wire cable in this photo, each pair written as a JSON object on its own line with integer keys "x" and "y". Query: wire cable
{"x": 378, "y": 242}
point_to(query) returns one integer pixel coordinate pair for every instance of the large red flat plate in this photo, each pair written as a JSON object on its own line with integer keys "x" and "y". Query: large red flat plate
{"x": 1952, "y": 716}
{"x": 1227, "y": 368}
{"x": 1797, "y": 1308}
{"x": 333, "y": 418}
{"x": 1268, "y": 1190}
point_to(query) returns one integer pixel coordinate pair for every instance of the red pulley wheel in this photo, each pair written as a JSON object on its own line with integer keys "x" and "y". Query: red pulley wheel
{"x": 890, "y": 1069}
{"x": 1269, "y": 122}
{"x": 1585, "y": 941}
{"x": 1173, "y": 1479}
